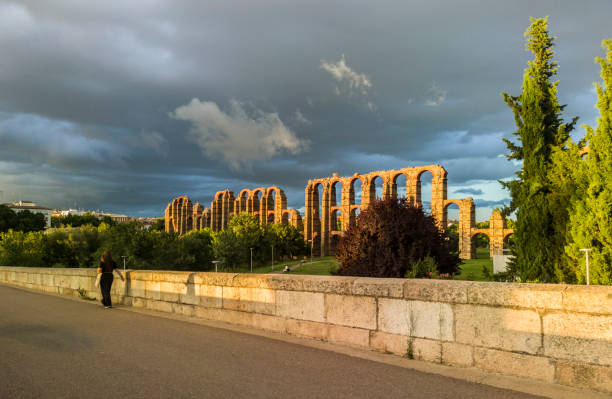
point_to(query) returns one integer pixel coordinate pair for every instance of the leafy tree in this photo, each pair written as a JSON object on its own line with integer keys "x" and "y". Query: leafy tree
{"x": 288, "y": 240}
{"x": 225, "y": 243}
{"x": 8, "y": 218}
{"x": 22, "y": 249}
{"x": 388, "y": 237}
{"x": 21, "y": 221}
{"x": 158, "y": 225}
{"x": 196, "y": 251}
{"x": 539, "y": 234}
{"x": 591, "y": 214}
{"x": 80, "y": 220}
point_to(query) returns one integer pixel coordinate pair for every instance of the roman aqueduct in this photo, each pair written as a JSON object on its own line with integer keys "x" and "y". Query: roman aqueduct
{"x": 332, "y": 203}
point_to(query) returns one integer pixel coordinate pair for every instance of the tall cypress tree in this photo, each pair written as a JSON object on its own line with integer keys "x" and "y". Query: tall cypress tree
{"x": 537, "y": 114}
{"x": 591, "y": 214}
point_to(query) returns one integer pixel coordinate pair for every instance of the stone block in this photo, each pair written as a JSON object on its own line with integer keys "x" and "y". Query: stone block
{"x": 389, "y": 343}
{"x": 285, "y": 282}
{"x": 256, "y": 300}
{"x": 327, "y": 284}
{"x": 137, "y": 288}
{"x": 170, "y": 291}
{"x": 436, "y": 290}
{"x": 455, "y": 354}
{"x": 304, "y": 328}
{"x": 584, "y": 375}
{"x": 394, "y": 316}
{"x": 425, "y": 349}
{"x": 431, "y": 320}
{"x": 184, "y": 310}
{"x": 153, "y": 290}
{"x": 171, "y": 277}
{"x": 218, "y": 279}
{"x": 301, "y": 305}
{"x": 534, "y": 367}
{"x": 379, "y": 287}
{"x": 207, "y": 313}
{"x": 118, "y": 287}
{"x": 588, "y": 299}
{"x": 234, "y": 317}
{"x": 349, "y": 336}
{"x": 210, "y": 296}
{"x": 61, "y": 281}
{"x": 159, "y": 306}
{"x": 140, "y": 275}
{"x": 269, "y": 323}
{"x": 532, "y": 296}
{"x": 139, "y": 302}
{"x": 578, "y": 337}
{"x": 351, "y": 311}
{"x": 247, "y": 280}
{"x": 508, "y": 329}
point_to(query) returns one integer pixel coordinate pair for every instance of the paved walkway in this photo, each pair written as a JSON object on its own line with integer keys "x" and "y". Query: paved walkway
{"x": 53, "y": 347}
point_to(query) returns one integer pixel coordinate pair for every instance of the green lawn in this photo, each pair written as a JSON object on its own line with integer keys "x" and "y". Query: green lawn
{"x": 471, "y": 269}
{"x": 278, "y": 265}
{"x": 320, "y": 266}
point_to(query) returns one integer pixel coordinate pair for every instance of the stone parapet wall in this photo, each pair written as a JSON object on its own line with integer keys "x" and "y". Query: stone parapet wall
{"x": 553, "y": 333}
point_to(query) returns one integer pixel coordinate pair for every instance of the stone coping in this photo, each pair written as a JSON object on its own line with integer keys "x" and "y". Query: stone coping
{"x": 542, "y": 297}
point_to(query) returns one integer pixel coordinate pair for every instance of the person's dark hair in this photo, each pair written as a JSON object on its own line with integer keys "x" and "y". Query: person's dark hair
{"x": 107, "y": 259}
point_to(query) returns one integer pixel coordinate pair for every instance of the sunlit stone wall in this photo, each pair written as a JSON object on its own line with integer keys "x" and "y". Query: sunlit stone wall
{"x": 552, "y": 333}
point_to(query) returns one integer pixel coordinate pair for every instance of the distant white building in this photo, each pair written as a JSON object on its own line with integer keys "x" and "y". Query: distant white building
{"x": 19, "y": 206}
{"x": 66, "y": 212}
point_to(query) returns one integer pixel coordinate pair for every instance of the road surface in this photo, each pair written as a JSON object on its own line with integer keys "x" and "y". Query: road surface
{"x": 53, "y": 347}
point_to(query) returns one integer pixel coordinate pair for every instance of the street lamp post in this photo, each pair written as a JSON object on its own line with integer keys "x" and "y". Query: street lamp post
{"x": 216, "y": 263}
{"x": 251, "y": 259}
{"x": 272, "y": 257}
{"x": 586, "y": 253}
{"x": 123, "y": 256}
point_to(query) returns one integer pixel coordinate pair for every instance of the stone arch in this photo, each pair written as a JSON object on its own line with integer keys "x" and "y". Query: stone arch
{"x": 279, "y": 202}
{"x": 474, "y": 234}
{"x": 179, "y": 215}
{"x": 256, "y": 200}
{"x": 467, "y": 217}
{"x": 270, "y": 217}
{"x": 354, "y": 193}
{"x": 336, "y": 202}
{"x": 243, "y": 204}
{"x": 396, "y": 192}
{"x": 373, "y": 191}
{"x": 438, "y": 189}
{"x": 317, "y": 214}
{"x": 447, "y": 225}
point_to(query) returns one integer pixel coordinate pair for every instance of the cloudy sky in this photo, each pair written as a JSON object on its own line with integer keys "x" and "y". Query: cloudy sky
{"x": 123, "y": 105}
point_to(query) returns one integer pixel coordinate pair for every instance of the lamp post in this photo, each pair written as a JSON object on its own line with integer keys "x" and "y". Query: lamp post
{"x": 272, "y": 257}
{"x": 123, "y": 256}
{"x": 251, "y": 259}
{"x": 216, "y": 263}
{"x": 586, "y": 253}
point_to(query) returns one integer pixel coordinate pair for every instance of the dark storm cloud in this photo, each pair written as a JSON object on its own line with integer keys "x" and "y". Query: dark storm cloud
{"x": 90, "y": 93}
{"x": 470, "y": 191}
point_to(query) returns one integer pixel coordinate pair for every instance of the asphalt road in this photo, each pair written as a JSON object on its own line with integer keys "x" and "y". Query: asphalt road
{"x": 51, "y": 347}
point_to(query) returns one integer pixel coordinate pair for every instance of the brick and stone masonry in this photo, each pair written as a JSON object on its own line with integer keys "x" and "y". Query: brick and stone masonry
{"x": 327, "y": 217}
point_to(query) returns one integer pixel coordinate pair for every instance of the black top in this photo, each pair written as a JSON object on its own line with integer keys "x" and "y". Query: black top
{"x": 106, "y": 269}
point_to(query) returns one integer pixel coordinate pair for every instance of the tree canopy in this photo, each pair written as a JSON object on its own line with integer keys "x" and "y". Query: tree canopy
{"x": 388, "y": 237}
{"x": 541, "y": 218}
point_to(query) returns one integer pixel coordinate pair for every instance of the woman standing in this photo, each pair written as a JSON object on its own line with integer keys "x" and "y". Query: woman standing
{"x": 107, "y": 266}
